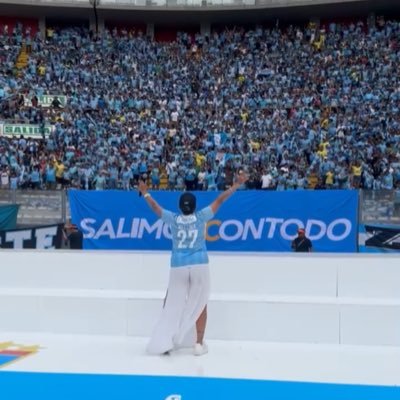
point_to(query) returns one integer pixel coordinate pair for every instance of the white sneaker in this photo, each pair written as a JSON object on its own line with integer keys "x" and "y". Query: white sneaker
{"x": 200, "y": 349}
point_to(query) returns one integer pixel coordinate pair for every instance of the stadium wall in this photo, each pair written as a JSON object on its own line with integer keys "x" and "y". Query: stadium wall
{"x": 11, "y": 22}
{"x": 311, "y": 298}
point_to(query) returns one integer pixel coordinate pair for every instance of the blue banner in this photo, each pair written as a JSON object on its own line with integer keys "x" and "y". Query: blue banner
{"x": 248, "y": 221}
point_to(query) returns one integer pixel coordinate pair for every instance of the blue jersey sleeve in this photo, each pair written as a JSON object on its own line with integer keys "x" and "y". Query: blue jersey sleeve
{"x": 205, "y": 214}
{"x": 167, "y": 216}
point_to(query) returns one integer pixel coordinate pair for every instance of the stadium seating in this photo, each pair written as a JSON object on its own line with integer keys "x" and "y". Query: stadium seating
{"x": 298, "y": 108}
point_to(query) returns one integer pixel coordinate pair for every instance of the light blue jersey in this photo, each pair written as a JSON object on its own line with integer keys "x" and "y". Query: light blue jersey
{"x": 188, "y": 237}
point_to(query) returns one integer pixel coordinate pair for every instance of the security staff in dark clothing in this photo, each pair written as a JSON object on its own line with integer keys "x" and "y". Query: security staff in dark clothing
{"x": 302, "y": 244}
{"x": 73, "y": 237}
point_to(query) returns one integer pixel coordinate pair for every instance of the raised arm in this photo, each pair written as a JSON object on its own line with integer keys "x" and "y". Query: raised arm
{"x": 150, "y": 201}
{"x": 240, "y": 179}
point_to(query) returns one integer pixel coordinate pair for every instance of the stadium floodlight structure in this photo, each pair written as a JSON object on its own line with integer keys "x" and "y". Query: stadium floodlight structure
{"x": 94, "y": 4}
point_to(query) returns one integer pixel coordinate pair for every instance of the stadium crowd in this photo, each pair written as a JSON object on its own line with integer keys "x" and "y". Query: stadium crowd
{"x": 297, "y": 108}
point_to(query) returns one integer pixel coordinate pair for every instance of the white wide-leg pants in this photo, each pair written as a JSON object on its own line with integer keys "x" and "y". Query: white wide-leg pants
{"x": 188, "y": 293}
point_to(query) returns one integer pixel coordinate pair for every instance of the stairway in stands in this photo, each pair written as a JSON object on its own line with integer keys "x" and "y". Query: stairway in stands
{"x": 22, "y": 59}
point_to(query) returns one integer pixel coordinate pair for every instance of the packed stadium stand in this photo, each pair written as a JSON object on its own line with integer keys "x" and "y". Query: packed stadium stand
{"x": 313, "y": 105}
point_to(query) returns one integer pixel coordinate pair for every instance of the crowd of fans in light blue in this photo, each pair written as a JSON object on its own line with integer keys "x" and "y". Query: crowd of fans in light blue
{"x": 297, "y": 108}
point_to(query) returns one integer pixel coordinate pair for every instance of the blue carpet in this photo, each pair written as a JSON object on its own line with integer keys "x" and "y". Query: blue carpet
{"x": 48, "y": 386}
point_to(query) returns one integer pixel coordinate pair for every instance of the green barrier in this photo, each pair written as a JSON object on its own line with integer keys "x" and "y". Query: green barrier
{"x": 8, "y": 217}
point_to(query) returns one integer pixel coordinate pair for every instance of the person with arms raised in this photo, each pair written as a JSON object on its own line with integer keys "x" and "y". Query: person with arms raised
{"x": 183, "y": 319}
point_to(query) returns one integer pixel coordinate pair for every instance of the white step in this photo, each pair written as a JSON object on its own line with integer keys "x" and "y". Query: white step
{"x": 356, "y": 275}
{"x": 231, "y": 316}
{"x": 317, "y": 299}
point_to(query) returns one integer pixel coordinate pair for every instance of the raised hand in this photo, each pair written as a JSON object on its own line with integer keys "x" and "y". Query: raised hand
{"x": 241, "y": 178}
{"x": 142, "y": 187}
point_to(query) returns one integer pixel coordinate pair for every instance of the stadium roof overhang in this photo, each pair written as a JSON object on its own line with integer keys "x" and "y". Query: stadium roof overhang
{"x": 282, "y": 9}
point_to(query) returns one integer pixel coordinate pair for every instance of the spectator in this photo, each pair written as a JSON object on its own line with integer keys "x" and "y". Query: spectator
{"x": 56, "y": 103}
{"x": 50, "y": 176}
{"x": 60, "y": 169}
{"x": 266, "y": 180}
{"x": 34, "y": 101}
{"x": 5, "y": 179}
{"x": 35, "y": 178}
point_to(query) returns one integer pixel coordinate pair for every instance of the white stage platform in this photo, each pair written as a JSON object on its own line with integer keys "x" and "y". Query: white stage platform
{"x": 88, "y": 354}
{"x": 306, "y": 327}
{"x": 326, "y": 299}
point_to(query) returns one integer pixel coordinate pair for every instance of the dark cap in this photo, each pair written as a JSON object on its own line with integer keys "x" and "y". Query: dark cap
{"x": 187, "y": 203}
